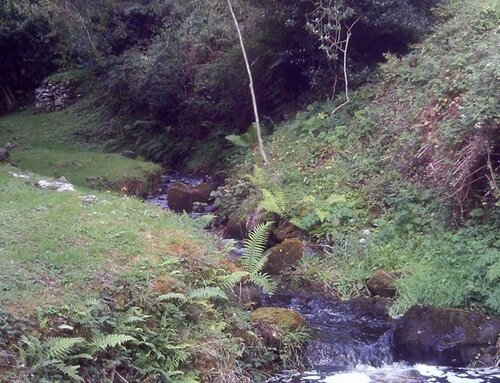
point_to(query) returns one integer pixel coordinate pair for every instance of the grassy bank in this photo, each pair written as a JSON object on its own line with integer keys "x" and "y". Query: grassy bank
{"x": 58, "y": 246}
{"x": 49, "y": 144}
{"x": 98, "y": 286}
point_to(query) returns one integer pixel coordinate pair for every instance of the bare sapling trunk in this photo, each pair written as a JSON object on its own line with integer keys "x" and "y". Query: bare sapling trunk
{"x": 325, "y": 22}
{"x": 252, "y": 91}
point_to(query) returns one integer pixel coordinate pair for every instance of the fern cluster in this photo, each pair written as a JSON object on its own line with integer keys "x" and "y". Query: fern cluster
{"x": 252, "y": 262}
{"x": 63, "y": 355}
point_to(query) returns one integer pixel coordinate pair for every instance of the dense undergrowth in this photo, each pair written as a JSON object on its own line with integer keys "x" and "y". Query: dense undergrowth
{"x": 403, "y": 178}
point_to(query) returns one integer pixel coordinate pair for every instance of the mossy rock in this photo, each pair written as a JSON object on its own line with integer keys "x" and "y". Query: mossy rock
{"x": 443, "y": 336}
{"x": 278, "y": 316}
{"x": 283, "y": 256}
{"x": 273, "y": 323}
{"x": 236, "y": 227}
{"x": 382, "y": 284}
{"x": 283, "y": 231}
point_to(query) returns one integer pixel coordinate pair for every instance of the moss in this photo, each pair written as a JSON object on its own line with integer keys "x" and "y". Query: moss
{"x": 277, "y": 316}
{"x": 284, "y": 255}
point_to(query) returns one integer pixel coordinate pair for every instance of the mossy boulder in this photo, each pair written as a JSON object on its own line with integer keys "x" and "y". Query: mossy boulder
{"x": 236, "y": 227}
{"x": 444, "y": 336}
{"x": 278, "y": 316}
{"x": 382, "y": 284}
{"x": 271, "y": 323}
{"x": 284, "y": 230}
{"x": 283, "y": 256}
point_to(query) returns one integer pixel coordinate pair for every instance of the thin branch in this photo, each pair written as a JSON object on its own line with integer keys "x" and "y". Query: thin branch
{"x": 492, "y": 172}
{"x": 346, "y": 79}
{"x": 252, "y": 91}
{"x": 122, "y": 378}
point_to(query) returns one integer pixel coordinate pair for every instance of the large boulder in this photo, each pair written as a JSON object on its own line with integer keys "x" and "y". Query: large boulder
{"x": 382, "y": 284}
{"x": 283, "y": 256}
{"x": 181, "y": 197}
{"x": 445, "y": 336}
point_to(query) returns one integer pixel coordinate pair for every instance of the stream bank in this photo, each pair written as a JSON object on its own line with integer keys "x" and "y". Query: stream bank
{"x": 357, "y": 341}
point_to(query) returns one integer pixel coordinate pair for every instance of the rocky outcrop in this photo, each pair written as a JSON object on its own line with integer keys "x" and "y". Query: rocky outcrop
{"x": 445, "y": 336}
{"x": 382, "y": 284}
{"x": 52, "y": 95}
{"x": 283, "y": 256}
{"x": 181, "y": 197}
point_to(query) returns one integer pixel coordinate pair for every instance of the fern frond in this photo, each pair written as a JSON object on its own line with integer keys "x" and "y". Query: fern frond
{"x": 273, "y": 201}
{"x": 60, "y": 348}
{"x": 229, "y": 281}
{"x": 254, "y": 246}
{"x": 107, "y": 341}
{"x": 265, "y": 282}
{"x": 257, "y": 178}
{"x": 173, "y": 296}
{"x": 70, "y": 371}
{"x": 206, "y": 293}
{"x": 238, "y": 140}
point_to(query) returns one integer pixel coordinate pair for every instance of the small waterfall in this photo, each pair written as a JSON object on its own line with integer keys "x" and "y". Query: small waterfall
{"x": 352, "y": 343}
{"x": 344, "y": 333}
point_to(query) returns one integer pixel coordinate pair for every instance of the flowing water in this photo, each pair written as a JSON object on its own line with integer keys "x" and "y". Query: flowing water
{"x": 352, "y": 343}
{"x": 351, "y": 340}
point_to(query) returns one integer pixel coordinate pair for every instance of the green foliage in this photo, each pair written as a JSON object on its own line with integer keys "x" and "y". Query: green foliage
{"x": 273, "y": 201}
{"x": 200, "y": 294}
{"x": 249, "y": 139}
{"x": 292, "y": 347}
{"x": 56, "y": 356}
{"x": 325, "y": 219}
{"x": 252, "y": 263}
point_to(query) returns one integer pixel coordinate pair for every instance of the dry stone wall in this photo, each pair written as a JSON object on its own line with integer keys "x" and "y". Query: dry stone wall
{"x": 52, "y": 96}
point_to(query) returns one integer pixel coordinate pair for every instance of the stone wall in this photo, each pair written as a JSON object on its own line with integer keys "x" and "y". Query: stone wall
{"x": 52, "y": 96}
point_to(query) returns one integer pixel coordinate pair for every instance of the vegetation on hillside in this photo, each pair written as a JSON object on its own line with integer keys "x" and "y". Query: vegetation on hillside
{"x": 54, "y": 145}
{"x": 98, "y": 286}
{"x": 178, "y": 63}
{"x": 404, "y": 178}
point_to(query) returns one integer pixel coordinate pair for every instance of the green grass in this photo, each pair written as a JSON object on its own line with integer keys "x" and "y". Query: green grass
{"x": 54, "y": 247}
{"x": 48, "y": 145}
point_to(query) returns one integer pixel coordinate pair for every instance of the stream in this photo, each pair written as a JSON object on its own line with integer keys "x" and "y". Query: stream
{"x": 351, "y": 341}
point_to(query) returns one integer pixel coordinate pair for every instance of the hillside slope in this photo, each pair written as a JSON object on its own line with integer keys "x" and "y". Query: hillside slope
{"x": 405, "y": 177}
